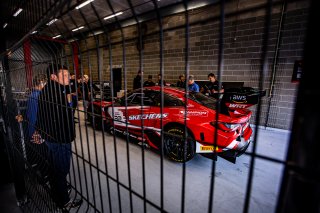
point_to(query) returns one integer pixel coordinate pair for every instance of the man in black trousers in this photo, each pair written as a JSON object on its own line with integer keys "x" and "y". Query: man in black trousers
{"x": 55, "y": 124}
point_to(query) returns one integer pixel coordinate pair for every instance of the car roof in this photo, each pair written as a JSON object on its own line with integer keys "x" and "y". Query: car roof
{"x": 179, "y": 92}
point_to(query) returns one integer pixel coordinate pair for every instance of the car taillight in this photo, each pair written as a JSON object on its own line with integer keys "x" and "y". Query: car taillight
{"x": 228, "y": 127}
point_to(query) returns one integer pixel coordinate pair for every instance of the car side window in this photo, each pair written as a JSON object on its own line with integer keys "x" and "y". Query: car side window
{"x": 141, "y": 98}
{"x": 168, "y": 99}
{"x": 172, "y": 101}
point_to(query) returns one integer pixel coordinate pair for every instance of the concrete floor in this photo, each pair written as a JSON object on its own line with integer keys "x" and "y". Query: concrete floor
{"x": 230, "y": 180}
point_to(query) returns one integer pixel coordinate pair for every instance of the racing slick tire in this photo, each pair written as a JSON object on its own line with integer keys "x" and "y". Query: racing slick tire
{"x": 173, "y": 144}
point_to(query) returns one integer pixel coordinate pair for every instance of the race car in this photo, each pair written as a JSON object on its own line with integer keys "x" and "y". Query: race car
{"x": 179, "y": 123}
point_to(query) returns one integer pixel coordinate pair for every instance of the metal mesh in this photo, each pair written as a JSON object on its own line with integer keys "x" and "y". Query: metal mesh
{"x": 253, "y": 43}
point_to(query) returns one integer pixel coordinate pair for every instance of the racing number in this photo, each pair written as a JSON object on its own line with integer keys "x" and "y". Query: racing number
{"x": 117, "y": 117}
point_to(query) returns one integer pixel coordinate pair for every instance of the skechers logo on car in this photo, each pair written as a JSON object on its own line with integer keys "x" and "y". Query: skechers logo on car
{"x": 147, "y": 116}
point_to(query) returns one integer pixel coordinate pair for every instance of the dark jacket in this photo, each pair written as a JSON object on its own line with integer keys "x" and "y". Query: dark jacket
{"x": 85, "y": 89}
{"x": 55, "y": 115}
{"x": 181, "y": 84}
{"x": 137, "y": 82}
{"x": 148, "y": 84}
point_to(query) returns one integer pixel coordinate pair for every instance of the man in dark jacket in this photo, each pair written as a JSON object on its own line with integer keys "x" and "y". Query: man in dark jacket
{"x": 137, "y": 80}
{"x": 56, "y": 126}
{"x": 149, "y": 82}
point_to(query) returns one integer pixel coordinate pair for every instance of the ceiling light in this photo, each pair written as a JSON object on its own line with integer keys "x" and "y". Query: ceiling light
{"x": 52, "y": 21}
{"x": 84, "y": 4}
{"x": 111, "y": 16}
{"x": 79, "y": 28}
{"x": 5, "y": 25}
{"x": 34, "y": 32}
{"x": 17, "y": 12}
{"x": 57, "y": 36}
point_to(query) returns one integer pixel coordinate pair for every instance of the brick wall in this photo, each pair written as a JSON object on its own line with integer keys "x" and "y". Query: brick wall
{"x": 243, "y": 37}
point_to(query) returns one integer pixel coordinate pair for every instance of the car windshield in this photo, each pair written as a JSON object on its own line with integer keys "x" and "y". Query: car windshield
{"x": 202, "y": 99}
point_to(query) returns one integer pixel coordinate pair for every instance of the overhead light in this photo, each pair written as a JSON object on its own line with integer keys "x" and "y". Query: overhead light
{"x": 17, "y": 12}
{"x": 52, "y": 21}
{"x": 84, "y": 4}
{"x": 34, "y": 32}
{"x": 57, "y": 36}
{"x": 79, "y": 28}
{"x": 111, "y": 16}
{"x": 5, "y": 25}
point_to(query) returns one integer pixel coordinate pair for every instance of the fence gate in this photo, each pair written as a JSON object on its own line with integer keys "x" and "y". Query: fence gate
{"x": 95, "y": 119}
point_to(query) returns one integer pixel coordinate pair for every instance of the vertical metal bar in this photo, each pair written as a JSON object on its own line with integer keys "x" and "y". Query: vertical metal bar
{"x": 263, "y": 70}
{"x": 187, "y": 69}
{"x": 220, "y": 69}
{"x": 275, "y": 61}
{"x": 92, "y": 111}
{"x": 101, "y": 86}
{"x": 300, "y": 184}
{"x": 75, "y": 50}
{"x": 28, "y": 62}
{"x": 159, "y": 19}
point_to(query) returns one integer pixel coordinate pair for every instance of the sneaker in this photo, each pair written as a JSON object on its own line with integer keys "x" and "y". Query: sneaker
{"x": 71, "y": 204}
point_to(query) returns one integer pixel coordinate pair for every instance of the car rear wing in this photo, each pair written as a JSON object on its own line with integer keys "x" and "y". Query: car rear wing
{"x": 243, "y": 97}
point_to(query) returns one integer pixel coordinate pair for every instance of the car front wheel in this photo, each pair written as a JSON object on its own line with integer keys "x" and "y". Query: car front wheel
{"x": 177, "y": 148}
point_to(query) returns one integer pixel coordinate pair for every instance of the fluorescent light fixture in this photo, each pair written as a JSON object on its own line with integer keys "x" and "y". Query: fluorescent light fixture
{"x": 111, "y": 16}
{"x": 98, "y": 32}
{"x": 52, "y": 21}
{"x": 84, "y": 4}
{"x": 197, "y": 5}
{"x": 79, "y": 28}
{"x": 17, "y": 12}
{"x": 34, "y": 32}
{"x": 5, "y": 25}
{"x": 57, "y": 36}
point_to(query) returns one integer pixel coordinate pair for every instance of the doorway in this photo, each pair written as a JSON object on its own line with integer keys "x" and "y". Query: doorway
{"x": 117, "y": 79}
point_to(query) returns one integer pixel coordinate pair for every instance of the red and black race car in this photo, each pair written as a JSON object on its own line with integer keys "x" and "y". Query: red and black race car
{"x": 185, "y": 124}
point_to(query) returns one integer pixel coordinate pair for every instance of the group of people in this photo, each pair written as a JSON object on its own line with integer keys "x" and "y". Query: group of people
{"x": 210, "y": 89}
{"x": 137, "y": 81}
{"x": 50, "y": 121}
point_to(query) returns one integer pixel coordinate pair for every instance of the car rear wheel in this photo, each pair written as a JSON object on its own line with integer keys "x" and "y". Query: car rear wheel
{"x": 178, "y": 149}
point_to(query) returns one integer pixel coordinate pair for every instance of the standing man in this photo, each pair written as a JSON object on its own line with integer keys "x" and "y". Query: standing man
{"x": 137, "y": 80}
{"x": 86, "y": 91}
{"x": 55, "y": 125}
{"x": 149, "y": 82}
{"x": 212, "y": 88}
{"x": 182, "y": 81}
{"x": 159, "y": 81}
{"x": 193, "y": 86}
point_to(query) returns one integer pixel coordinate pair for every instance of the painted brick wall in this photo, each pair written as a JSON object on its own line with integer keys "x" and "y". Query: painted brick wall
{"x": 243, "y": 37}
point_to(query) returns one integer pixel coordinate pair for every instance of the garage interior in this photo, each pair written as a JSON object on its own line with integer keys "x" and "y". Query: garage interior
{"x": 262, "y": 44}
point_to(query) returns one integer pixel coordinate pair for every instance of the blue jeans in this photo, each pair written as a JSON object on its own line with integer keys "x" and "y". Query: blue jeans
{"x": 60, "y": 157}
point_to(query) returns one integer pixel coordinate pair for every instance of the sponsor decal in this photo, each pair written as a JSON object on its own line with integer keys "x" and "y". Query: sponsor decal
{"x": 147, "y": 116}
{"x": 239, "y": 106}
{"x": 239, "y": 98}
{"x": 208, "y": 148}
{"x": 195, "y": 113}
